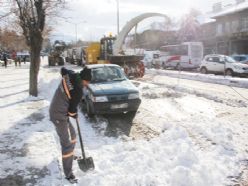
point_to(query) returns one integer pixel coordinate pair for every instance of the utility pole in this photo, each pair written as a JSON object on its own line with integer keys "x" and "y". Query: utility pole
{"x": 76, "y": 24}
{"x": 76, "y": 33}
{"x": 117, "y": 4}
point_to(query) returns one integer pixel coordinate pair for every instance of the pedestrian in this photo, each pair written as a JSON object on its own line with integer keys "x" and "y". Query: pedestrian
{"x": 24, "y": 59}
{"x": 13, "y": 57}
{"x": 64, "y": 105}
{"x": 19, "y": 60}
{"x": 15, "y": 62}
{"x": 5, "y": 59}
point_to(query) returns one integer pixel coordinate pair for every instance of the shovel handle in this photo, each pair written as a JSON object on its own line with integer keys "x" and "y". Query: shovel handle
{"x": 80, "y": 138}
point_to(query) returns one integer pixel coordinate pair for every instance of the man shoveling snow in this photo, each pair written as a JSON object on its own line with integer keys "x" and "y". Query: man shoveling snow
{"x": 64, "y": 105}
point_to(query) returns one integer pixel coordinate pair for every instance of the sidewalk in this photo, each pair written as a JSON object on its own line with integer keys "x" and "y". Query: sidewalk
{"x": 29, "y": 153}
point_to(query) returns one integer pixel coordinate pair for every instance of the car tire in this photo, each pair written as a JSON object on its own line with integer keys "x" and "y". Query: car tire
{"x": 229, "y": 72}
{"x": 204, "y": 70}
{"x": 178, "y": 67}
{"x": 61, "y": 61}
{"x": 88, "y": 109}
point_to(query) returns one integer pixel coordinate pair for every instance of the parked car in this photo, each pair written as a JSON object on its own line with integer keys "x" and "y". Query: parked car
{"x": 241, "y": 58}
{"x": 222, "y": 64}
{"x": 24, "y": 56}
{"x": 110, "y": 91}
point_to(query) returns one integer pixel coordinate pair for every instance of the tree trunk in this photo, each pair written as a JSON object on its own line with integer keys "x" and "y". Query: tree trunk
{"x": 35, "y": 49}
{"x": 33, "y": 73}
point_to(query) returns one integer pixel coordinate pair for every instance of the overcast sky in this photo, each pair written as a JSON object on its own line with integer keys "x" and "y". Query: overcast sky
{"x": 91, "y": 19}
{"x": 95, "y": 18}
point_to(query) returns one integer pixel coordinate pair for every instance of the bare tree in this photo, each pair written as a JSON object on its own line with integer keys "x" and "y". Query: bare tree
{"x": 32, "y": 19}
{"x": 11, "y": 40}
{"x": 190, "y": 26}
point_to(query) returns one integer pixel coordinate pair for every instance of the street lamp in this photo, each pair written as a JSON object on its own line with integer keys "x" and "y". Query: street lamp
{"x": 75, "y": 24}
{"x": 117, "y": 6}
{"x": 76, "y": 28}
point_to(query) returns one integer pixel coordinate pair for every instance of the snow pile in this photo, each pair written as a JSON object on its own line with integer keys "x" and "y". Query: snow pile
{"x": 210, "y": 78}
{"x": 199, "y": 139}
{"x": 170, "y": 159}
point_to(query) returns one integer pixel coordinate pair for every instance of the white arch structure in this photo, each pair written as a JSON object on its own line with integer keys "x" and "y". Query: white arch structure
{"x": 129, "y": 26}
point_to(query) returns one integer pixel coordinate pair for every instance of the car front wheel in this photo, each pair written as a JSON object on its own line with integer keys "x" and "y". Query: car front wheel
{"x": 229, "y": 72}
{"x": 178, "y": 67}
{"x": 204, "y": 70}
{"x": 88, "y": 109}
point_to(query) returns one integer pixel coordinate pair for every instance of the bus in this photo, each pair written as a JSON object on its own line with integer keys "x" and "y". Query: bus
{"x": 187, "y": 55}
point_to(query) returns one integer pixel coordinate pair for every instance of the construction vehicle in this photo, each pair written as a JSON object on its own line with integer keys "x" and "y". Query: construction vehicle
{"x": 103, "y": 52}
{"x": 109, "y": 49}
{"x": 76, "y": 56}
{"x": 55, "y": 56}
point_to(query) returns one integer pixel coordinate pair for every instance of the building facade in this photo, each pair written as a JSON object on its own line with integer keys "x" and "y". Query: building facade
{"x": 228, "y": 32}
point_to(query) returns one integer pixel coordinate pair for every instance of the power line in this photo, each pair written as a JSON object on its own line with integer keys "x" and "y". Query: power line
{"x": 238, "y": 93}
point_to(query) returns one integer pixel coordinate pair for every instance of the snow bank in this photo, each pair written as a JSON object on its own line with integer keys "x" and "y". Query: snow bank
{"x": 210, "y": 78}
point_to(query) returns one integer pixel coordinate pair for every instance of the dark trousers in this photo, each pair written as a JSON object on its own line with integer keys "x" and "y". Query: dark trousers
{"x": 67, "y": 136}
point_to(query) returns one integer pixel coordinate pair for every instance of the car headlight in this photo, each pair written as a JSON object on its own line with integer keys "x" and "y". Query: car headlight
{"x": 133, "y": 96}
{"x": 99, "y": 98}
{"x": 238, "y": 67}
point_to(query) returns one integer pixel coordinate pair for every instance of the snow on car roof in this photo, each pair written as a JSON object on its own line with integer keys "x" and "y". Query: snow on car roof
{"x": 102, "y": 65}
{"x": 218, "y": 55}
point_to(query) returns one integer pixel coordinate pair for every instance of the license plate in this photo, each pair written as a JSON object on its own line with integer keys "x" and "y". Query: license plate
{"x": 119, "y": 106}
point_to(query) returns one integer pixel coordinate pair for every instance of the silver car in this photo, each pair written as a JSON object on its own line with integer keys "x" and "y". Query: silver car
{"x": 221, "y": 64}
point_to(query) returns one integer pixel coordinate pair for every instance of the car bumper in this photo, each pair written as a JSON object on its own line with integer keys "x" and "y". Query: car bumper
{"x": 115, "y": 107}
{"x": 241, "y": 74}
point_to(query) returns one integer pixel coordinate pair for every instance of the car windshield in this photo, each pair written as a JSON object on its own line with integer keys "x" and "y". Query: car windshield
{"x": 229, "y": 59}
{"x": 107, "y": 73}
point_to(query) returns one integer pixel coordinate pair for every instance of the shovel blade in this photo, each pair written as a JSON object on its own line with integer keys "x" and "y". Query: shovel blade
{"x": 86, "y": 164}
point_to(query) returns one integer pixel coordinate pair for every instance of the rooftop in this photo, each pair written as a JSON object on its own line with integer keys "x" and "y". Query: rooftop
{"x": 221, "y": 10}
{"x": 230, "y": 9}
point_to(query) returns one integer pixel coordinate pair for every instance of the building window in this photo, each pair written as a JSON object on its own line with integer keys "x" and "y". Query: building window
{"x": 244, "y": 24}
{"x": 219, "y": 29}
{"x": 235, "y": 25}
{"x": 227, "y": 27}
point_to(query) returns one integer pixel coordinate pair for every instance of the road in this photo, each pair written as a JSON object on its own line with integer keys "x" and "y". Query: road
{"x": 213, "y": 115}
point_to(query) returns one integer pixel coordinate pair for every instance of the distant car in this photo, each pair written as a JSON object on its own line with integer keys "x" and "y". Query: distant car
{"x": 110, "y": 91}
{"x": 147, "y": 60}
{"x": 241, "y": 58}
{"x": 222, "y": 64}
{"x": 24, "y": 56}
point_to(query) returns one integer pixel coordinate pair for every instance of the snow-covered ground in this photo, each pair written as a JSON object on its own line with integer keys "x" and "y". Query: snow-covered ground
{"x": 186, "y": 133}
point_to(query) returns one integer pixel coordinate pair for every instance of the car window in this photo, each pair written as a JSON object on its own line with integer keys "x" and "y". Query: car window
{"x": 106, "y": 73}
{"x": 222, "y": 60}
{"x": 236, "y": 58}
{"x": 210, "y": 59}
{"x": 242, "y": 58}
{"x": 216, "y": 59}
{"x": 155, "y": 56}
{"x": 229, "y": 59}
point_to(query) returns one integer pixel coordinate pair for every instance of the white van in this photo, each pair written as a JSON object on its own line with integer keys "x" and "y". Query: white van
{"x": 151, "y": 58}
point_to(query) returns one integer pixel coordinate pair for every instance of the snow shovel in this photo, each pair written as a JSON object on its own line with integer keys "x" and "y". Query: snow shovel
{"x": 84, "y": 163}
